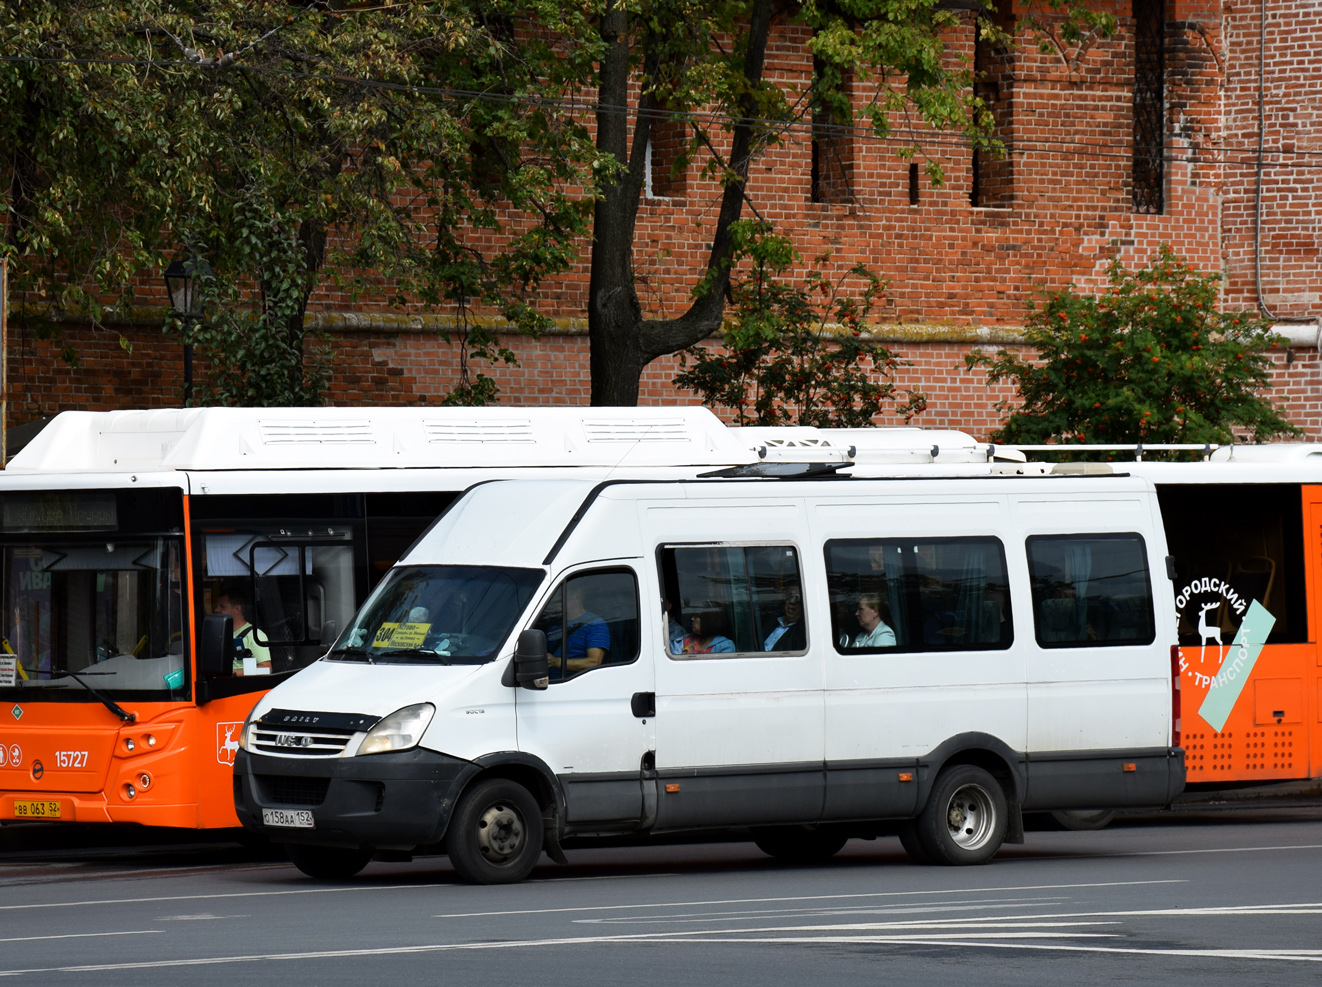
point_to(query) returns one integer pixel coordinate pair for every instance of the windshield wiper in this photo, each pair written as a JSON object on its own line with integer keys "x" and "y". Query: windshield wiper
{"x": 416, "y": 653}
{"x": 108, "y": 703}
{"x": 354, "y": 654}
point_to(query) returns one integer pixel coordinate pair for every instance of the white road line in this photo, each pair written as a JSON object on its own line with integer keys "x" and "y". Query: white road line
{"x": 83, "y": 935}
{"x": 783, "y": 913}
{"x": 1228, "y": 849}
{"x": 212, "y": 897}
{"x": 807, "y": 897}
{"x": 1292, "y": 955}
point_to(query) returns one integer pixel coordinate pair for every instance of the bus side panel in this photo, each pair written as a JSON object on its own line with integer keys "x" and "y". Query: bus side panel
{"x": 218, "y": 725}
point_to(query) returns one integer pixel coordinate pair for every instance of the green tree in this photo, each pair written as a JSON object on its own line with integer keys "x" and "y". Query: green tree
{"x": 404, "y": 154}
{"x": 795, "y": 353}
{"x": 1151, "y": 359}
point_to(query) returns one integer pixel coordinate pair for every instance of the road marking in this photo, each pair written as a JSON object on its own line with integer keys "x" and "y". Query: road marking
{"x": 806, "y": 897}
{"x": 815, "y": 912}
{"x": 212, "y": 897}
{"x": 83, "y": 935}
{"x": 1292, "y": 955}
{"x": 977, "y": 941}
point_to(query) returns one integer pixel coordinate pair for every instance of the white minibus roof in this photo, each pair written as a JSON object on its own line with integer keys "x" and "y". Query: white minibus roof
{"x": 374, "y": 438}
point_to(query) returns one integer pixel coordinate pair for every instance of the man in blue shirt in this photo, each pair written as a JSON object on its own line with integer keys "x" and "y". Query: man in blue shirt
{"x": 589, "y": 638}
{"x": 789, "y": 633}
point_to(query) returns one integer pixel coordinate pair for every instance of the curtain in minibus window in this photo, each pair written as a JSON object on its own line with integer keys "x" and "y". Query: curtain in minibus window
{"x": 1090, "y": 590}
{"x": 728, "y": 599}
{"x": 904, "y": 595}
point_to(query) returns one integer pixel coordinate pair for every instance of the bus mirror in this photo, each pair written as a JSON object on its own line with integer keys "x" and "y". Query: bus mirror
{"x": 216, "y": 654}
{"x": 531, "y": 669}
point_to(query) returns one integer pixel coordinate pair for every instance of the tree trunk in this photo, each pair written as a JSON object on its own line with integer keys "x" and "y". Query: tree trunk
{"x": 622, "y": 343}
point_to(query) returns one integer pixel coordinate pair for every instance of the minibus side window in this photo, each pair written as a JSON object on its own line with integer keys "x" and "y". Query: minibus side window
{"x": 723, "y": 600}
{"x": 596, "y": 613}
{"x": 900, "y": 595}
{"x": 1090, "y": 590}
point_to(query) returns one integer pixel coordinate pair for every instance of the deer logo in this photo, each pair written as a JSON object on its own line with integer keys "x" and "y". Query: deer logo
{"x": 227, "y": 744}
{"x": 1209, "y": 632}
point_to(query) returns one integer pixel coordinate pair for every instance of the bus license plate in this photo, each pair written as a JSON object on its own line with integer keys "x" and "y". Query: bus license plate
{"x": 36, "y": 809}
{"x": 288, "y": 818}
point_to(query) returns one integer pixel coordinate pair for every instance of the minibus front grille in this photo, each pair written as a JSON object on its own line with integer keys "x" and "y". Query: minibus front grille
{"x": 301, "y": 743}
{"x": 289, "y": 790}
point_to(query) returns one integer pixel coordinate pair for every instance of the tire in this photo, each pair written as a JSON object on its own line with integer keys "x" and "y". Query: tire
{"x": 913, "y": 846}
{"x": 327, "y": 863}
{"x": 965, "y": 818}
{"x": 1082, "y": 820}
{"x": 495, "y": 836}
{"x": 799, "y": 844}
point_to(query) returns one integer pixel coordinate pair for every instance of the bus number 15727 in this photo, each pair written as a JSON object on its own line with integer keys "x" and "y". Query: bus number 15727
{"x": 71, "y": 759}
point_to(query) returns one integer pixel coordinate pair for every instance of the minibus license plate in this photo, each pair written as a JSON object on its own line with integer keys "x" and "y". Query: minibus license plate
{"x": 288, "y": 818}
{"x": 36, "y": 809}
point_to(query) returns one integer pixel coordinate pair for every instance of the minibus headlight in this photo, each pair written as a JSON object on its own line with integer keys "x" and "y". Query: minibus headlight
{"x": 248, "y": 734}
{"x": 399, "y": 731}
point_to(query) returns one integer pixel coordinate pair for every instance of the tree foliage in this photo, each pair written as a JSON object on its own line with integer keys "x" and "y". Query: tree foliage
{"x": 1151, "y": 359}
{"x": 401, "y": 154}
{"x": 427, "y": 156}
{"x": 795, "y": 353}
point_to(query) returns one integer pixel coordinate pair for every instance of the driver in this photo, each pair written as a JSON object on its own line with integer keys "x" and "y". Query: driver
{"x": 231, "y": 603}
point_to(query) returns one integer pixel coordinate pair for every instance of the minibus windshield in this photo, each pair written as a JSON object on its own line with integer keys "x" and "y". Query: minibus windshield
{"x": 440, "y": 614}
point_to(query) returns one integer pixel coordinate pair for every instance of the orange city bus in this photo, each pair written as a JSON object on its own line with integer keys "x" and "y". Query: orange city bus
{"x": 119, "y": 531}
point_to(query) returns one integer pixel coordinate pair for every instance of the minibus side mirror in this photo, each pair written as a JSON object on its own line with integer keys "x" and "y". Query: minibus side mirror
{"x": 216, "y": 651}
{"x": 531, "y": 669}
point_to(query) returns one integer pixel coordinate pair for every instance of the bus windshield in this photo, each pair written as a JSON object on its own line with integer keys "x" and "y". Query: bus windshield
{"x": 439, "y": 615}
{"x": 92, "y": 614}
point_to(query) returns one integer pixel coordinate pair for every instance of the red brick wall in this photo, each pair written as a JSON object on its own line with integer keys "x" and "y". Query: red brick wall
{"x": 955, "y": 271}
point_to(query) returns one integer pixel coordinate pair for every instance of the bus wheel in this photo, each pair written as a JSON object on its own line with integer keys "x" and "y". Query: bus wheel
{"x": 965, "y": 817}
{"x": 801, "y": 844}
{"x": 912, "y": 844}
{"x": 495, "y": 836}
{"x": 1083, "y": 819}
{"x": 327, "y": 863}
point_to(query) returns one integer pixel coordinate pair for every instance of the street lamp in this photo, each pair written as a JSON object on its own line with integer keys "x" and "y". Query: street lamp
{"x": 183, "y": 283}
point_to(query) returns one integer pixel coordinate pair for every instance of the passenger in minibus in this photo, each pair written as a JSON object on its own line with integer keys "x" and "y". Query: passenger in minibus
{"x": 231, "y": 603}
{"x": 675, "y": 632}
{"x": 789, "y": 634}
{"x": 589, "y": 641}
{"x": 708, "y": 631}
{"x": 875, "y": 632}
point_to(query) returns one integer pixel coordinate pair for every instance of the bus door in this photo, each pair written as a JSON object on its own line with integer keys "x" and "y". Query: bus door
{"x": 1312, "y": 676}
{"x": 1247, "y": 559}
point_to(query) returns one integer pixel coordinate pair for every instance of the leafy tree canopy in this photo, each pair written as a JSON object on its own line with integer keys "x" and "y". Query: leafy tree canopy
{"x": 424, "y": 154}
{"x": 1151, "y": 359}
{"x": 795, "y": 353}
{"x": 402, "y": 153}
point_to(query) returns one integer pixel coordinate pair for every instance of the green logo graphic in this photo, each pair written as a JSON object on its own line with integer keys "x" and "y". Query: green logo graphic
{"x": 1228, "y": 683}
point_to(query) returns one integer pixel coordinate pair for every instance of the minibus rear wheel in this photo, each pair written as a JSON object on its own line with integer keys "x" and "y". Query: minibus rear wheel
{"x": 327, "y": 863}
{"x": 495, "y": 836}
{"x": 965, "y": 817}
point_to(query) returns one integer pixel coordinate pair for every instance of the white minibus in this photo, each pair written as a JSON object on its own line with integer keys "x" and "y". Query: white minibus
{"x": 780, "y": 648}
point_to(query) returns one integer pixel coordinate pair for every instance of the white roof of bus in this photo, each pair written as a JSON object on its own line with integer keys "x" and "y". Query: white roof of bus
{"x": 373, "y": 438}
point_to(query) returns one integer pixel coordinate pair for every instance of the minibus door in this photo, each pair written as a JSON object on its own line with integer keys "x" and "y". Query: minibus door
{"x": 594, "y": 724}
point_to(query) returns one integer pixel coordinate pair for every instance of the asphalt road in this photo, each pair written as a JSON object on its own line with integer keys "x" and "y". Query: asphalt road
{"x": 1197, "y": 899}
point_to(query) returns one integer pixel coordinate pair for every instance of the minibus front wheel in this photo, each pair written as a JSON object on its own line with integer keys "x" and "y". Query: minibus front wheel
{"x": 965, "y": 818}
{"x": 495, "y": 836}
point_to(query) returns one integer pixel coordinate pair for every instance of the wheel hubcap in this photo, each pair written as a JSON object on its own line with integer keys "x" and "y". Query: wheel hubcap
{"x": 500, "y": 832}
{"x": 971, "y": 817}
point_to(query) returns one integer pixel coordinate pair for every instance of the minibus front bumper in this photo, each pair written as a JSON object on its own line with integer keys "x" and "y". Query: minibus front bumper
{"x": 396, "y": 801}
